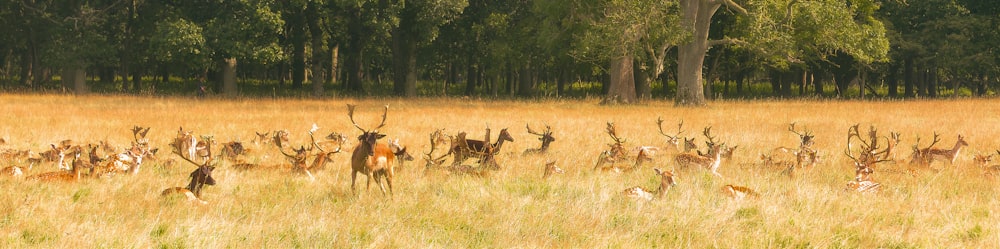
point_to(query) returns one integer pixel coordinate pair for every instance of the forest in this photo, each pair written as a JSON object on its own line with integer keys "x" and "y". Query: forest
{"x": 687, "y": 51}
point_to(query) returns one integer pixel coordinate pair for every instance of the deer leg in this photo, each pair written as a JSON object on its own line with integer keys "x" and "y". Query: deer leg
{"x": 388, "y": 181}
{"x": 354, "y": 176}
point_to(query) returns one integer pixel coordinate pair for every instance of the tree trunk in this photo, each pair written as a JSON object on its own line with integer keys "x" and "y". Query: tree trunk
{"x": 892, "y": 79}
{"x": 621, "y": 87}
{"x": 297, "y": 36}
{"x": 696, "y": 17}
{"x": 334, "y": 63}
{"x": 524, "y": 85}
{"x": 642, "y": 88}
{"x": 316, "y": 33}
{"x": 908, "y": 78}
{"x": 353, "y": 54}
{"x": 404, "y": 59}
{"x": 470, "y": 77}
{"x": 228, "y": 66}
{"x": 26, "y": 63}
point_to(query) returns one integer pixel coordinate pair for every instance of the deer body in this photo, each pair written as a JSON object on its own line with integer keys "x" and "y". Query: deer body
{"x": 711, "y": 162}
{"x": 186, "y": 143}
{"x": 377, "y": 163}
{"x": 945, "y": 155}
{"x": 477, "y": 148}
{"x": 551, "y": 169}
{"x": 640, "y": 193}
{"x": 739, "y": 192}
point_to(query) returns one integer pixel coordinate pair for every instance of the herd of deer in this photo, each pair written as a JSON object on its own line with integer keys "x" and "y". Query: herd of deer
{"x": 378, "y": 160}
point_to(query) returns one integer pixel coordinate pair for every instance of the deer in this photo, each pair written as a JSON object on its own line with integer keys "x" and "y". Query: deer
{"x": 711, "y": 161}
{"x": 984, "y": 163}
{"x": 62, "y": 175}
{"x": 333, "y": 139}
{"x": 929, "y": 155}
{"x": 739, "y": 192}
{"x": 13, "y": 170}
{"x": 302, "y": 154}
{"x": 400, "y": 151}
{"x": 551, "y": 169}
{"x": 370, "y": 157}
{"x": 186, "y": 143}
{"x": 646, "y": 154}
{"x": 57, "y": 154}
{"x": 863, "y": 186}
{"x": 231, "y": 150}
{"x": 436, "y": 138}
{"x": 200, "y": 177}
{"x": 544, "y": 136}
{"x": 615, "y": 153}
{"x": 674, "y": 140}
{"x": 261, "y": 138}
{"x": 482, "y": 149}
{"x": 866, "y": 160}
{"x": 203, "y": 149}
{"x": 640, "y": 193}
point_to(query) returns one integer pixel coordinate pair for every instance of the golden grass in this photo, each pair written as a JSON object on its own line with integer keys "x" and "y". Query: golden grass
{"x": 513, "y": 207}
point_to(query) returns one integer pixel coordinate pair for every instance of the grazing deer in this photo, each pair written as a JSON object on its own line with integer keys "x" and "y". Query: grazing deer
{"x": 674, "y": 140}
{"x": 640, "y": 193}
{"x": 186, "y": 143}
{"x": 551, "y": 169}
{"x": 928, "y": 155}
{"x": 711, "y": 160}
{"x": 544, "y": 136}
{"x": 200, "y": 177}
{"x": 615, "y": 153}
{"x": 62, "y": 175}
{"x": 464, "y": 149}
{"x": 371, "y": 158}
{"x": 739, "y": 192}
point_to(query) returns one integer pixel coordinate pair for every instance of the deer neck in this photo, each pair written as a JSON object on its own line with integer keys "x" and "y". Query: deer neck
{"x": 954, "y": 150}
{"x": 662, "y": 191}
{"x": 498, "y": 144}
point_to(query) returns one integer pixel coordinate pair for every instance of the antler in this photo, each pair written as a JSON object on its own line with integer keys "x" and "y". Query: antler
{"x": 281, "y": 147}
{"x": 350, "y": 114}
{"x": 937, "y": 138}
{"x": 178, "y": 153}
{"x": 384, "y": 113}
{"x": 659, "y": 124}
{"x": 532, "y": 131}
{"x": 613, "y": 132}
{"x": 708, "y": 134}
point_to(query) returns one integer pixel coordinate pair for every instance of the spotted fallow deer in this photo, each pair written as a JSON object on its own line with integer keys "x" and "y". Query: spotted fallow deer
{"x": 615, "y": 153}
{"x": 186, "y": 143}
{"x": 402, "y": 155}
{"x": 71, "y": 175}
{"x": 370, "y": 157}
{"x": 641, "y": 193}
{"x": 739, "y": 192}
{"x": 711, "y": 161}
{"x": 200, "y": 177}
{"x": 929, "y": 155}
{"x": 673, "y": 141}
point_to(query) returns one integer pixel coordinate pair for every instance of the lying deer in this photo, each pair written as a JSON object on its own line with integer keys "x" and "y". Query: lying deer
{"x": 200, "y": 177}
{"x": 641, "y": 193}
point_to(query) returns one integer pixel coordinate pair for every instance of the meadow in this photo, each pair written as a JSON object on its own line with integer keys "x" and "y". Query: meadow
{"x": 955, "y": 206}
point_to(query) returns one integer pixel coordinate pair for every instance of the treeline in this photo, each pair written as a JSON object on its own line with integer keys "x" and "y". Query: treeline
{"x": 623, "y": 50}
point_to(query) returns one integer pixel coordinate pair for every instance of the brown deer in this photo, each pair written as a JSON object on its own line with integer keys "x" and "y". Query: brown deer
{"x": 402, "y": 155}
{"x": 739, "y": 192}
{"x": 983, "y": 161}
{"x": 204, "y": 147}
{"x": 200, "y": 177}
{"x": 544, "y": 136}
{"x": 551, "y": 169}
{"x": 481, "y": 149}
{"x": 302, "y": 154}
{"x": 616, "y": 152}
{"x": 866, "y": 159}
{"x": 646, "y": 154}
{"x": 58, "y": 155}
{"x": 640, "y": 193}
{"x": 710, "y": 160}
{"x": 928, "y": 155}
{"x": 371, "y": 158}
{"x": 261, "y": 138}
{"x": 232, "y": 150}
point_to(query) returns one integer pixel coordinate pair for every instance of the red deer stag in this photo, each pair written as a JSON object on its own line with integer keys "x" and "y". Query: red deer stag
{"x": 371, "y": 158}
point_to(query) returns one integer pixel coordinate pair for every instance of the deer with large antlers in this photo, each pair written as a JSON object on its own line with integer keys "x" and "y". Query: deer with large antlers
{"x": 370, "y": 157}
{"x": 436, "y": 138}
{"x": 616, "y": 152}
{"x": 640, "y": 193}
{"x": 675, "y": 140}
{"x": 928, "y": 155}
{"x": 866, "y": 159}
{"x": 711, "y": 160}
{"x": 544, "y": 136}
{"x": 301, "y": 155}
{"x": 200, "y": 177}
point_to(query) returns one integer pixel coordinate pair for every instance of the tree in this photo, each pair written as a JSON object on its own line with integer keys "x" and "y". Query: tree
{"x": 418, "y": 24}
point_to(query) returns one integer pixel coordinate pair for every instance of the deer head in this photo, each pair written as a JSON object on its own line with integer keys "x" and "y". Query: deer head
{"x": 368, "y": 138}
{"x": 675, "y": 139}
{"x": 545, "y": 136}
{"x": 806, "y": 136}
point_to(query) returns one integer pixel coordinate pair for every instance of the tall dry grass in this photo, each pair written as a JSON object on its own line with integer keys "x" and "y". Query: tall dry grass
{"x": 955, "y": 207}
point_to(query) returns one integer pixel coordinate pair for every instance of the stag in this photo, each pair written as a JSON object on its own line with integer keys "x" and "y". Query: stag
{"x": 436, "y": 138}
{"x": 546, "y": 138}
{"x": 615, "y": 153}
{"x": 674, "y": 140}
{"x": 200, "y": 177}
{"x": 301, "y": 155}
{"x": 371, "y": 158}
{"x": 866, "y": 159}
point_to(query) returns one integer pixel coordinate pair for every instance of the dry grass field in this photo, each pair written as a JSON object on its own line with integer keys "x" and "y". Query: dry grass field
{"x": 954, "y": 207}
